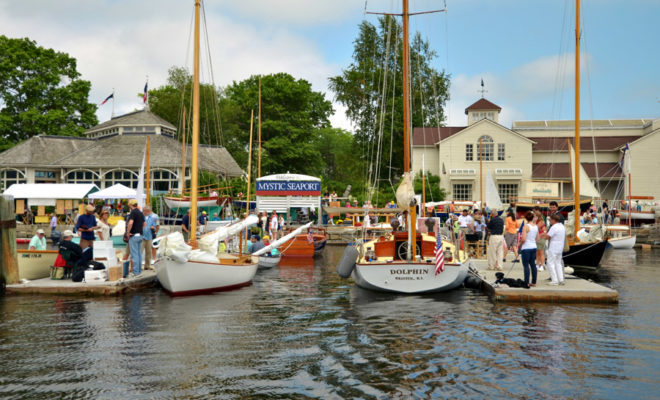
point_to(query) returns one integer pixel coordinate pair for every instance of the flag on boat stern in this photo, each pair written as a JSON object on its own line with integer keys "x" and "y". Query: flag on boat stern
{"x": 439, "y": 255}
{"x": 106, "y": 99}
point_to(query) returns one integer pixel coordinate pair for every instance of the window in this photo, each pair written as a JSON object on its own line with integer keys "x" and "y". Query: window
{"x": 500, "y": 152}
{"x": 10, "y": 176}
{"x": 462, "y": 191}
{"x": 82, "y": 176}
{"x": 164, "y": 181}
{"x": 123, "y": 176}
{"x": 44, "y": 174}
{"x": 508, "y": 192}
{"x": 488, "y": 148}
{"x": 468, "y": 152}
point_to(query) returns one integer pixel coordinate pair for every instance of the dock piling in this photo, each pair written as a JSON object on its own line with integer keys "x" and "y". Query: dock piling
{"x": 9, "y": 267}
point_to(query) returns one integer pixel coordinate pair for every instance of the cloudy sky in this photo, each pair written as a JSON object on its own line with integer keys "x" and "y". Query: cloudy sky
{"x": 521, "y": 48}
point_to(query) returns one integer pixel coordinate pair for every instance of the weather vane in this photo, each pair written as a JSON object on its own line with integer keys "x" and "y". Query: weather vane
{"x": 482, "y": 90}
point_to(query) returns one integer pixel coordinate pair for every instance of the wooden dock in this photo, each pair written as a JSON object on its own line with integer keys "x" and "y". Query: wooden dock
{"x": 67, "y": 287}
{"x": 575, "y": 290}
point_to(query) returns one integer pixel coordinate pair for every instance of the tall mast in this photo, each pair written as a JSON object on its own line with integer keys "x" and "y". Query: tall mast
{"x": 148, "y": 185}
{"x": 183, "y": 154}
{"x": 576, "y": 185}
{"x": 259, "y": 128}
{"x": 195, "y": 134}
{"x": 406, "y": 95}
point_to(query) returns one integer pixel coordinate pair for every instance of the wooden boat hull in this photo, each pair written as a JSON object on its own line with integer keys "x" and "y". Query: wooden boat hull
{"x": 35, "y": 264}
{"x": 184, "y": 202}
{"x": 301, "y": 247}
{"x": 269, "y": 262}
{"x": 408, "y": 276}
{"x": 625, "y": 242}
{"x": 198, "y": 277}
{"x": 585, "y": 254}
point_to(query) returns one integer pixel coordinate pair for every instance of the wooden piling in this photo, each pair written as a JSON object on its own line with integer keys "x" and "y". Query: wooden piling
{"x": 9, "y": 267}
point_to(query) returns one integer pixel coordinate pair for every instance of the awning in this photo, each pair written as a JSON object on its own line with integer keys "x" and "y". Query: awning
{"x": 46, "y": 194}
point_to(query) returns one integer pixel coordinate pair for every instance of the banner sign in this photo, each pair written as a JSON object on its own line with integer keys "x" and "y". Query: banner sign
{"x": 288, "y": 188}
{"x": 542, "y": 189}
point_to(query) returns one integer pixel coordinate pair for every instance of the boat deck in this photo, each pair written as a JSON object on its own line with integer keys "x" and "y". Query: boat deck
{"x": 68, "y": 287}
{"x": 576, "y": 290}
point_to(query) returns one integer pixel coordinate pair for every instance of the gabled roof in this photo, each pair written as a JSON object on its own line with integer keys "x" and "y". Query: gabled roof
{"x": 495, "y": 124}
{"x": 587, "y": 143}
{"x": 135, "y": 118}
{"x": 482, "y": 104}
{"x": 429, "y": 136}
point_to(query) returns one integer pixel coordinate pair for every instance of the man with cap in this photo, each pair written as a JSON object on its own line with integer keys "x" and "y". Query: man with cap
{"x": 496, "y": 241}
{"x": 150, "y": 232}
{"x": 86, "y": 225}
{"x": 69, "y": 250}
{"x": 257, "y": 244}
{"x": 134, "y": 229}
{"x": 202, "y": 218}
{"x": 38, "y": 241}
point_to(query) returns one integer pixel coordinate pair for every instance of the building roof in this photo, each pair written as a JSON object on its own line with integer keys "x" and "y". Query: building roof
{"x": 51, "y": 190}
{"x": 135, "y": 118}
{"x": 429, "y": 136}
{"x": 601, "y": 143}
{"x": 584, "y": 124}
{"x": 563, "y": 170}
{"x": 114, "y": 151}
{"x": 482, "y": 104}
{"x": 42, "y": 150}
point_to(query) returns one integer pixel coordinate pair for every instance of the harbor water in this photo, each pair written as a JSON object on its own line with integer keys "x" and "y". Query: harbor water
{"x": 302, "y": 332}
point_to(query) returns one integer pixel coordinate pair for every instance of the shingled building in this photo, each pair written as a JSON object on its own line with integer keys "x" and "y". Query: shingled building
{"x": 110, "y": 153}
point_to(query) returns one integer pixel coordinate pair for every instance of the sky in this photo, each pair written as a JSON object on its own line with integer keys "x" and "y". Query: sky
{"x": 522, "y": 49}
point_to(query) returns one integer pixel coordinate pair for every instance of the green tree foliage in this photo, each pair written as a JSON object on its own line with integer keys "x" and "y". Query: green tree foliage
{"x": 169, "y": 101}
{"x": 432, "y": 187}
{"x": 41, "y": 93}
{"x": 293, "y": 119}
{"x": 371, "y": 89}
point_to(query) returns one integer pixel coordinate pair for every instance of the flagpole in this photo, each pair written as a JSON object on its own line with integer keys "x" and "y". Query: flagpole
{"x": 113, "y": 104}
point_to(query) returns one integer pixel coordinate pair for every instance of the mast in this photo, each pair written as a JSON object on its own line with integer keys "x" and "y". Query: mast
{"x": 195, "y": 134}
{"x": 406, "y": 94}
{"x": 183, "y": 154}
{"x": 629, "y": 192}
{"x": 259, "y": 128}
{"x": 249, "y": 163}
{"x": 481, "y": 173}
{"x": 576, "y": 185}
{"x": 148, "y": 173}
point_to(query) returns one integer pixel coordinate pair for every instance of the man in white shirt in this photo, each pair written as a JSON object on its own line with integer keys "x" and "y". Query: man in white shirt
{"x": 465, "y": 221}
{"x": 557, "y": 235}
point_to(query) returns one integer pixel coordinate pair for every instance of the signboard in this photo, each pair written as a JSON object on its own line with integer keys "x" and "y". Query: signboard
{"x": 288, "y": 188}
{"x": 543, "y": 189}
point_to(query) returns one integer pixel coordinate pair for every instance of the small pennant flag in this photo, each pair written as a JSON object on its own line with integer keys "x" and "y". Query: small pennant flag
{"x": 107, "y": 98}
{"x": 623, "y": 157}
{"x": 145, "y": 93}
{"x": 439, "y": 255}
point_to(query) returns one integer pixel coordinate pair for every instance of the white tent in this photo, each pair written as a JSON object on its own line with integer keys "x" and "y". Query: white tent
{"x": 47, "y": 194}
{"x": 116, "y": 191}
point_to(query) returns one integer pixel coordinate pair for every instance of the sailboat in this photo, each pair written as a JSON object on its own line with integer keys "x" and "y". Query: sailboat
{"x": 208, "y": 271}
{"x": 626, "y": 242}
{"x": 580, "y": 254}
{"x": 405, "y": 262}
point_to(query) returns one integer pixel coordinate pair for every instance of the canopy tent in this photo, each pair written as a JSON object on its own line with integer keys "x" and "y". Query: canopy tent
{"x": 47, "y": 194}
{"x": 116, "y": 191}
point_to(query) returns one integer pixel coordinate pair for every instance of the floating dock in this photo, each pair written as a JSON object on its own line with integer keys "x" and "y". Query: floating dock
{"x": 68, "y": 287}
{"x": 575, "y": 290}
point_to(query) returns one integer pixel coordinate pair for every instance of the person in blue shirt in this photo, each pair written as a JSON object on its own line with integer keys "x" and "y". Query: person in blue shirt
{"x": 203, "y": 218}
{"x": 86, "y": 225}
{"x": 150, "y": 231}
{"x": 185, "y": 226}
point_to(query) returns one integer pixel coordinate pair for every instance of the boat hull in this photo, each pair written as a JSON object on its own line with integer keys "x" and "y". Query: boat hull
{"x": 198, "y": 277}
{"x": 585, "y": 254}
{"x": 625, "y": 242}
{"x": 184, "y": 202}
{"x": 268, "y": 262}
{"x": 35, "y": 264}
{"x": 638, "y": 215}
{"x": 408, "y": 277}
{"x": 301, "y": 247}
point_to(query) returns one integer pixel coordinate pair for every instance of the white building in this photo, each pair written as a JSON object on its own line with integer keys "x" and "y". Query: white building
{"x": 534, "y": 153}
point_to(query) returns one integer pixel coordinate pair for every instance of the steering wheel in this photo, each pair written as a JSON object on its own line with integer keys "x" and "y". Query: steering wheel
{"x": 402, "y": 250}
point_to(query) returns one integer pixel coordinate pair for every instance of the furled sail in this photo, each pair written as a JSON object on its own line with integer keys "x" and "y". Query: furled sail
{"x": 587, "y": 189}
{"x": 493, "y": 200}
{"x": 406, "y": 191}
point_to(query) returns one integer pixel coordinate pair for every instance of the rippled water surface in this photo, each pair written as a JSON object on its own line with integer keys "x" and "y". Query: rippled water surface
{"x": 301, "y": 332}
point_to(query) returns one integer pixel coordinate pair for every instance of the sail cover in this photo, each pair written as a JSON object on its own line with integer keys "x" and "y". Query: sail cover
{"x": 587, "y": 189}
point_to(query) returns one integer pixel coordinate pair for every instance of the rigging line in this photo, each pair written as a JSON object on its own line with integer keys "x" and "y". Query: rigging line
{"x": 396, "y": 46}
{"x": 587, "y": 68}
{"x": 215, "y": 108}
{"x": 559, "y": 72}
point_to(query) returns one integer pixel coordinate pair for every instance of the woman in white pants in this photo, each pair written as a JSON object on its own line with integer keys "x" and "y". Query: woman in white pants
{"x": 556, "y": 234}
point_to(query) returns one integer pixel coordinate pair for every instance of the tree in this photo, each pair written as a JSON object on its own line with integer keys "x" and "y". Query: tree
{"x": 371, "y": 89}
{"x": 41, "y": 92}
{"x": 293, "y": 117}
{"x": 432, "y": 187}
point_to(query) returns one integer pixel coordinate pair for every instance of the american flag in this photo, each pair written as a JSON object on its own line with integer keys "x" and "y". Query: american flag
{"x": 439, "y": 255}
{"x": 310, "y": 237}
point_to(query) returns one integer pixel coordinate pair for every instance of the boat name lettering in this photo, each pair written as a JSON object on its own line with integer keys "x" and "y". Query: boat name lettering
{"x": 418, "y": 271}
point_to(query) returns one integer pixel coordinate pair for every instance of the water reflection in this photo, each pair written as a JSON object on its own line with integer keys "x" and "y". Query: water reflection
{"x": 301, "y": 332}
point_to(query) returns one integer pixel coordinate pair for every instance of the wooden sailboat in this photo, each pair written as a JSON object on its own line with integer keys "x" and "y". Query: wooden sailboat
{"x": 626, "y": 242}
{"x": 225, "y": 271}
{"x": 35, "y": 264}
{"x": 580, "y": 254}
{"x": 405, "y": 262}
